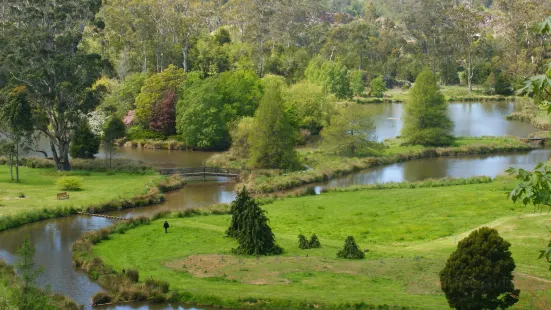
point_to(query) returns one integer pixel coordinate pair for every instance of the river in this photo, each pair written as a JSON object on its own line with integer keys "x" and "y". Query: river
{"x": 54, "y": 238}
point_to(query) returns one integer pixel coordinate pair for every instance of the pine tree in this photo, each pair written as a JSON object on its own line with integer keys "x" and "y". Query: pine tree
{"x": 85, "y": 144}
{"x": 350, "y": 250}
{"x": 303, "y": 242}
{"x": 425, "y": 115}
{"x": 249, "y": 225}
{"x": 314, "y": 242}
{"x": 241, "y": 202}
{"x": 479, "y": 274}
{"x": 272, "y": 139}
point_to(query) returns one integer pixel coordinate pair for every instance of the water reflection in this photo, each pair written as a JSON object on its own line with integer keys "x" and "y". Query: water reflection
{"x": 471, "y": 119}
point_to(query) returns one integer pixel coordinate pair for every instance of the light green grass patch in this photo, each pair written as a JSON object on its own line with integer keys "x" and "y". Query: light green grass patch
{"x": 40, "y": 189}
{"x": 409, "y": 234}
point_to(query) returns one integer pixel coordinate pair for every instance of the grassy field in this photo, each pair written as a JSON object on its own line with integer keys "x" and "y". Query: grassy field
{"x": 39, "y": 189}
{"x": 452, "y": 93}
{"x": 409, "y": 234}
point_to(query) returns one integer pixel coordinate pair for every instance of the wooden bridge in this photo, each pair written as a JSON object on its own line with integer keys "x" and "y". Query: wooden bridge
{"x": 202, "y": 172}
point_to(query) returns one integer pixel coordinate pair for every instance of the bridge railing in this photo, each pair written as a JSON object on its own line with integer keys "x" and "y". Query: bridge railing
{"x": 201, "y": 171}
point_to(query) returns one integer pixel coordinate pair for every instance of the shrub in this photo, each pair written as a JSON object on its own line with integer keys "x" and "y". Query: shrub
{"x": 69, "y": 183}
{"x": 350, "y": 250}
{"x": 101, "y": 298}
{"x": 159, "y": 285}
{"x": 138, "y": 133}
{"x": 479, "y": 274}
{"x": 303, "y": 242}
{"x": 84, "y": 144}
{"x": 133, "y": 275}
{"x": 314, "y": 242}
{"x": 503, "y": 86}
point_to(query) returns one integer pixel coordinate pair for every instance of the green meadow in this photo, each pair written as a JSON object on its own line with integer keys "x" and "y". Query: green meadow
{"x": 38, "y": 190}
{"x": 409, "y": 233}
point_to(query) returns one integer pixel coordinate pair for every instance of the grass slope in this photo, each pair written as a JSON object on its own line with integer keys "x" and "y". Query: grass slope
{"x": 409, "y": 232}
{"x": 39, "y": 188}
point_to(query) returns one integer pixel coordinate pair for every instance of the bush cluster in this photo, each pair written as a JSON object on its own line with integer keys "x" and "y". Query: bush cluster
{"x": 69, "y": 183}
{"x": 304, "y": 243}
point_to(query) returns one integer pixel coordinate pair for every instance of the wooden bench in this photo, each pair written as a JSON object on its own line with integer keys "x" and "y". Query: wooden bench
{"x": 62, "y": 196}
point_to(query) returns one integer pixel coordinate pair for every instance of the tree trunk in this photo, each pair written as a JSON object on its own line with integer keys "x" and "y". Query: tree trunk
{"x": 10, "y": 162}
{"x": 60, "y": 154}
{"x": 17, "y": 162}
{"x": 185, "y": 51}
{"x": 261, "y": 60}
{"x": 470, "y": 72}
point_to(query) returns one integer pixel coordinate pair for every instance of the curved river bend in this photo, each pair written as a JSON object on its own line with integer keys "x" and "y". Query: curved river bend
{"x": 54, "y": 238}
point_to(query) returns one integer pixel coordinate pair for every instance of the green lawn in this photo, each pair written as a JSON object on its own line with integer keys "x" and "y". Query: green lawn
{"x": 409, "y": 232}
{"x": 39, "y": 188}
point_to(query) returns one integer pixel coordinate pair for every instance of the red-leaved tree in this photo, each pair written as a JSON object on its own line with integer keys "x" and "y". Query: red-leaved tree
{"x": 163, "y": 118}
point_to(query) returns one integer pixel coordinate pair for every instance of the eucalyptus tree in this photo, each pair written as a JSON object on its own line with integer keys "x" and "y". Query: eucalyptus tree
{"x": 43, "y": 54}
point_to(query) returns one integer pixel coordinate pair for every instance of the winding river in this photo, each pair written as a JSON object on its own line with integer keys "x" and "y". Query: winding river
{"x": 54, "y": 238}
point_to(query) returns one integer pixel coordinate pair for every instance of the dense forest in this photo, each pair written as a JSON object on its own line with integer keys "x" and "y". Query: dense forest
{"x": 192, "y": 70}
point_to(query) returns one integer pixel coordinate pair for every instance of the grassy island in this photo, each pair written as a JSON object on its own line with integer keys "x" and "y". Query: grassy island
{"x": 408, "y": 233}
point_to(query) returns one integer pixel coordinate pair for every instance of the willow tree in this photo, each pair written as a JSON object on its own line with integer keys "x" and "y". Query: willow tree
{"x": 42, "y": 53}
{"x": 425, "y": 115}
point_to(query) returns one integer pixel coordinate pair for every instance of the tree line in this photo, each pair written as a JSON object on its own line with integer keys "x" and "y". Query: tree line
{"x": 165, "y": 67}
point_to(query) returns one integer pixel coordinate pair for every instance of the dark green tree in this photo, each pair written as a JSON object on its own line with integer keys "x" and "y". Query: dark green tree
{"x": 357, "y": 82}
{"x": 114, "y": 129}
{"x": 272, "y": 139}
{"x": 249, "y": 225}
{"x": 425, "y": 115}
{"x": 303, "y": 242}
{"x": 314, "y": 242}
{"x": 241, "y": 202}
{"x": 351, "y": 250}
{"x": 479, "y": 273}
{"x": 85, "y": 144}
{"x": 43, "y": 54}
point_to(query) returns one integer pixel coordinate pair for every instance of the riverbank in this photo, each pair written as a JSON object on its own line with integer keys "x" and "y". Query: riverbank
{"x": 10, "y": 287}
{"x": 409, "y": 234}
{"x": 532, "y": 114}
{"x": 35, "y": 197}
{"x": 325, "y": 166}
{"x": 452, "y": 93}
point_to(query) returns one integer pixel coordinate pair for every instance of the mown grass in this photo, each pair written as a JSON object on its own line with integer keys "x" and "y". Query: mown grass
{"x": 452, "y": 93}
{"x": 38, "y": 186}
{"x": 409, "y": 232}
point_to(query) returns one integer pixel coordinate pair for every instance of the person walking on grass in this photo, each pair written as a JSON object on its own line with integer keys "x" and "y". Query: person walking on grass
{"x": 166, "y": 226}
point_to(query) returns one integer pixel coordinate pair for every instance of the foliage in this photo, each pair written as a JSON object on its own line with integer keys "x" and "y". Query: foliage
{"x": 351, "y": 133}
{"x": 240, "y": 137}
{"x": 377, "y": 87}
{"x": 29, "y": 297}
{"x": 123, "y": 97}
{"x": 101, "y": 298}
{"x": 114, "y": 129}
{"x": 155, "y": 89}
{"x": 332, "y": 76}
{"x": 503, "y": 85}
{"x": 357, "y": 82}
{"x": 42, "y": 54}
{"x": 249, "y": 225}
{"x": 313, "y": 243}
{"x": 534, "y": 187}
{"x": 163, "y": 115}
{"x": 425, "y": 116}
{"x": 85, "y": 144}
{"x": 350, "y": 250}
{"x": 209, "y": 106}
{"x": 308, "y": 106}
{"x": 272, "y": 139}
{"x": 479, "y": 274}
{"x": 69, "y": 183}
